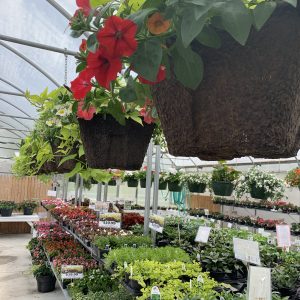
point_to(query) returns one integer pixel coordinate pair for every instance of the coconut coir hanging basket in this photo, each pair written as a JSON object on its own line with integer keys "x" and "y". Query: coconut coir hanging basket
{"x": 248, "y": 102}
{"x": 108, "y": 144}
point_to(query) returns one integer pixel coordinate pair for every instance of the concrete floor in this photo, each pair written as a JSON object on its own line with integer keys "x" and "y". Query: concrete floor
{"x": 16, "y": 281}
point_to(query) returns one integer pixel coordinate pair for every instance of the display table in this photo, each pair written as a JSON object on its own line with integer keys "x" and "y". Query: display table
{"x": 21, "y": 218}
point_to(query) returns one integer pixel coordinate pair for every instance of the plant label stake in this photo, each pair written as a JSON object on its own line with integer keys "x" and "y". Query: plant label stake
{"x": 259, "y": 283}
{"x": 155, "y": 293}
{"x": 200, "y": 279}
{"x": 283, "y": 236}
{"x": 246, "y": 251}
{"x": 203, "y": 234}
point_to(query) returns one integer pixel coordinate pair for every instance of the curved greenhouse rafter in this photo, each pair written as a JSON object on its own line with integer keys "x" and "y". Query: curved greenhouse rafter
{"x": 12, "y": 85}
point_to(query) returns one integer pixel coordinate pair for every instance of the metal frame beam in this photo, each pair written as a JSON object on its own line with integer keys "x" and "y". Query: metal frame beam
{"x": 33, "y": 64}
{"x": 11, "y": 130}
{"x": 15, "y": 119}
{"x": 15, "y": 106}
{"x": 14, "y": 129}
{"x": 12, "y": 85}
{"x": 12, "y": 93}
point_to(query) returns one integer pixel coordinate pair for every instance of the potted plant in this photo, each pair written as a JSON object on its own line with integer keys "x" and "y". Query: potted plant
{"x": 175, "y": 183}
{"x": 142, "y": 177}
{"x": 44, "y": 278}
{"x": 196, "y": 182}
{"x": 28, "y": 206}
{"x": 162, "y": 184}
{"x": 7, "y": 208}
{"x": 131, "y": 178}
{"x": 293, "y": 178}
{"x": 222, "y": 179}
{"x": 260, "y": 185}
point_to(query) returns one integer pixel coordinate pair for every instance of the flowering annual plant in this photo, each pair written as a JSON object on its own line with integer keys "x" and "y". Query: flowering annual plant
{"x": 191, "y": 178}
{"x": 176, "y": 177}
{"x": 273, "y": 186}
{"x": 130, "y": 175}
{"x": 293, "y": 177}
{"x": 222, "y": 172}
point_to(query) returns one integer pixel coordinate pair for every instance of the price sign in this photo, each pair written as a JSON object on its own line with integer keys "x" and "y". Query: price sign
{"x": 155, "y": 293}
{"x": 92, "y": 206}
{"x": 246, "y": 250}
{"x": 244, "y": 228}
{"x": 156, "y": 223}
{"x": 259, "y": 283}
{"x": 283, "y": 236}
{"x": 71, "y": 272}
{"x": 110, "y": 220}
{"x": 51, "y": 193}
{"x": 203, "y": 234}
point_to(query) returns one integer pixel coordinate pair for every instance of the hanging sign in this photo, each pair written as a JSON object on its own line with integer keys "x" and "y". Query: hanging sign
{"x": 51, "y": 193}
{"x": 259, "y": 284}
{"x": 203, "y": 234}
{"x": 156, "y": 223}
{"x": 283, "y": 236}
{"x": 110, "y": 220}
{"x": 71, "y": 272}
{"x": 246, "y": 250}
{"x": 155, "y": 293}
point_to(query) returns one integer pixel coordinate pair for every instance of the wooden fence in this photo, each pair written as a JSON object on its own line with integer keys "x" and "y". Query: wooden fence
{"x": 202, "y": 201}
{"x": 18, "y": 190}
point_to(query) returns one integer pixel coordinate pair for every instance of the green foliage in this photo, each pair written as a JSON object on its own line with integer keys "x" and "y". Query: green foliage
{"x": 28, "y": 204}
{"x": 224, "y": 173}
{"x": 41, "y": 270}
{"x": 8, "y": 204}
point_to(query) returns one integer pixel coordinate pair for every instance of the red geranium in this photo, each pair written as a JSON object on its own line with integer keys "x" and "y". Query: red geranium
{"x": 83, "y": 45}
{"x": 161, "y": 75}
{"x": 81, "y": 85}
{"x": 85, "y": 114}
{"x": 118, "y": 36}
{"x": 104, "y": 67}
{"x": 85, "y": 6}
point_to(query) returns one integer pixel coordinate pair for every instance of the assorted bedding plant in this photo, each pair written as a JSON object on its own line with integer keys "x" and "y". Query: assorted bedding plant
{"x": 293, "y": 178}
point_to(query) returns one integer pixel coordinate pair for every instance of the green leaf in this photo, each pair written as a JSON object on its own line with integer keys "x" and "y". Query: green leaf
{"x": 209, "y": 37}
{"x": 77, "y": 169}
{"x": 115, "y": 109}
{"x": 147, "y": 59}
{"x": 292, "y": 2}
{"x": 142, "y": 92}
{"x": 262, "y": 13}
{"x": 128, "y": 94}
{"x": 92, "y": 43}
{"x": 137, "y": 119}
{"x": 80, "y": 67}
{"x": 190, "y": 27}
{"x": 66, "y": 158}
{"x": 236, "y": 20}
{"x": 188, "y": 67}
{"x": 140, "y": 16}
{"x": 96, "y": 3}
{"x": 80, "y": 151}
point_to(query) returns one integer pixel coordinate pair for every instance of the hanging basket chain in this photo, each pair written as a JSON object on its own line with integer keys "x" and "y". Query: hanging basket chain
{"x": 66, "y": 67}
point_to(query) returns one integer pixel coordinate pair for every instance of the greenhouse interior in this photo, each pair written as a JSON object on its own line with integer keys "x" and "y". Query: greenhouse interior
{"x": 150, "y": 149}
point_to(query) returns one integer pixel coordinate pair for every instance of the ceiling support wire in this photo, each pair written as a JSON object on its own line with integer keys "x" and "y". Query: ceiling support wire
{"x": 33, "y": 64}
{"x": 16, "y": 107}
{"x": 12, "y": 85}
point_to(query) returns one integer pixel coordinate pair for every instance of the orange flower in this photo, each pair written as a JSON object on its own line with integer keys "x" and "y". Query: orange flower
{"x": 157, "y": 24}
{"x": 297, "y": 171}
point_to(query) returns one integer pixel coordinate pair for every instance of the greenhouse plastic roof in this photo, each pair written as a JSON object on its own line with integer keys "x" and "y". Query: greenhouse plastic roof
{"x": 27, "y": 68}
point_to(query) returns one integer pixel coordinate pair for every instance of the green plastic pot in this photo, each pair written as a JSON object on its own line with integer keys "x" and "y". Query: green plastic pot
{"x": 174, "y": 187}
{"x": 6, "y": 212}
{"x": 132, "y": 183}
{"x": 197, "y": 187}
{"x": 222, "y": 188}
{"x": 162, "y": 185}
{"x": 258, "y": 192}
{"x": 112, "y": 183}
{"x": 28, "y": 211}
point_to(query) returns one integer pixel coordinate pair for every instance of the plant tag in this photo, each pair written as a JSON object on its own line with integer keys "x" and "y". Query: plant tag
{"x": 247, "y": 251}
{"x": 102, "y": 207}
{"x": 212, "y": 220}
{"x": 266, "y": 234}
{"x": 156, "y": 223}
{"x": 155, "y": 293}
{"x": 206, "y": 212}
{"x": 198, "y": 257}
{"x": 131, "y": 271}
{"x": 203, "y": 234}
{"x": 260, "y": 230}
{"x": 244, "y": 228}
{"x": 51, "y": 193}
{"x": 125, "y": 265}
{"x": 259, "y": 284}
{"x": 92, "y": 206}
{"x": 229, "y": 225}
{"x": 183, "y": 267}
{"x": 110, "y": 220}
{"x": 71, "y": 272}
{"x": 297, "y": 242}
{"x": 127, "y": 205}
{"x": 283, "y": 236}
{"x": 200, "y": 279}
{"x": 191, "y": 285}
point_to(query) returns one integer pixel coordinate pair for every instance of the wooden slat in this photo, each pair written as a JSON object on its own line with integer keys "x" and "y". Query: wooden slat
{"x": 201, "y": 201}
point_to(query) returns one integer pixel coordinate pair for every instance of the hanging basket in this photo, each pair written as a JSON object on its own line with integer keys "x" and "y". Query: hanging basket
{"x": 174, "y": 187}
{"x": 197, "y": 187}
{"x": 108, "y": 144}
{"x": 222, "y": 188}
{"x": 248, "y": 102}
{"x": 258, "y": 192}
{"x": 132, "y": 183}
{"x": 162, "y": 185}
{"x": 112, "y": 182}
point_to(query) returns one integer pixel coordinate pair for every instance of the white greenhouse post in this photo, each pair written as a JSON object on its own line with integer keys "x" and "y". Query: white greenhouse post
{"x": 105, "y": 192}
{"x": 99, "y": 191}
{"x": 148, "y": 188}
{"x": 80, "y": 190}
{"x": 77, "y": 180}
{"x": 136, "y": 195}
{"x": 66, "y": 189}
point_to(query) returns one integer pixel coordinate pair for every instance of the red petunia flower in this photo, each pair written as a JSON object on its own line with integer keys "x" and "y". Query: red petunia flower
{"x": 103, "y": 67}
{"x": 83, "y": 45}
{"x": 146, "y": 112}
{"x": 81, "y": 85}
{"x": 85, "y": 6}
{"x": 161, "y": 75}
{"x": 85, "y": 114}
{"x": 118, "y": 36}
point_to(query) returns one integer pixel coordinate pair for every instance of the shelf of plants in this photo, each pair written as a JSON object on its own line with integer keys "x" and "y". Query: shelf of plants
{"x": 127, "y": 259}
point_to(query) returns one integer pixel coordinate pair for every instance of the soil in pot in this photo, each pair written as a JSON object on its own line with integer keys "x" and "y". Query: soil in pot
{"x": 132, "y": 183}
{"x": 46, "y": 284}
{"x": 258, "y": 192}
{"x": 162, "y": 186}
{"x": 6, "y": 212}
{"x": 222, "y": 188}
{"x": 28, "y": 211}
{"x": 108, "y": 144}
{"x": 216, "y": 121}
{"x": 174, "y": 187}
{"x": 197, "y": 187}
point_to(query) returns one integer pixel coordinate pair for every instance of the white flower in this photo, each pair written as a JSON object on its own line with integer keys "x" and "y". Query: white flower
{"x": 62, "y": 112}
{"x": 50, "y": 122}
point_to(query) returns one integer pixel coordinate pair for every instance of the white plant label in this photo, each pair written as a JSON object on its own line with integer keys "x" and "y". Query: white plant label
{"x": 200, "y": 279}
{"x": 71, "y": 272}
{"x": 92, "y": 206}
{"x": 229, "y": 225}
{"x": 244, "y": 228}
{"x": 260, "y": 230}
{"x": 110, "y": 220}
{"x": 155, "y": 293}
{"x": 51, "y": 193}
{"x": 127, "y": 205}
{"x": 206, "y": 212}
{"x": 203, "y": 234}
{"x": 283, "y": 236}
{"x": 247, "y": 251}
{"x": 156, "y": 223}
{"x": 259, "y": 284}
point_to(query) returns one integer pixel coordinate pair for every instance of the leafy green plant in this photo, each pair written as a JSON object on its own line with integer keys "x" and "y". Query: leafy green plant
{"x": 198, "y": 178}
{"x": 28, "y": 204}
{"x": 175, "y": 177}
{"x": 41, "y": 270}
{"x": 128, "y": 175}
{"x": 8, "y": 204}
{"x": 285, "y": 277}
{"x": 224, "y": 173}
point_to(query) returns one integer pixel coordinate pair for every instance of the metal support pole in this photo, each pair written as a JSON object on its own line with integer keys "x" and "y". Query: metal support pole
{"x": 77, "y": 182}
{"x": 148, "y": 188}
{"x": 99, "y": 191}
{"x": 105, "y": 192}
{"x": 118, "y": 190}
{"x": 63, "y": 189}
{"x": 80, "y": 191}
{"x": 66, "y": 189}
{"x": 156, "y": 184}
{"x": 136, "y": 195}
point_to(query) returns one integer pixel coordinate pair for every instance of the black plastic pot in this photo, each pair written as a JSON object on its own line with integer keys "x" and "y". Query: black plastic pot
{"x": 222, "y": 188}
{"x": 162, "y": 185}
{"x": 258, "y": 192}
{"x": 112, "y": 183}
{"x": 174, "y": 187}
{"x": 6, "y": 212}
{"x": 284, "y": 292}
{"x": 197, "y": 187}
{"x": 132, "y": 183}
{"x": 28, "y": 211}
{"x": 143, "y": 183}
{"x": 46, "y": 284}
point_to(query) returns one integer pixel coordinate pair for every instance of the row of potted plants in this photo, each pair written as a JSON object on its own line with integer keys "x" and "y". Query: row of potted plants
{"x": 27, "y": 206}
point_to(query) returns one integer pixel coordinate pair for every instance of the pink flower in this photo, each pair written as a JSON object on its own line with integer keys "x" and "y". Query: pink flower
{"x": 85, "y": 114}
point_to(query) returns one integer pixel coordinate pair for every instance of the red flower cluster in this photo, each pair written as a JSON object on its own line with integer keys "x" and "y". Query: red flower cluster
{"x": 146, "y": 112}
{"x": 161, "y": 75}
{"x": 131, "y": 219}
